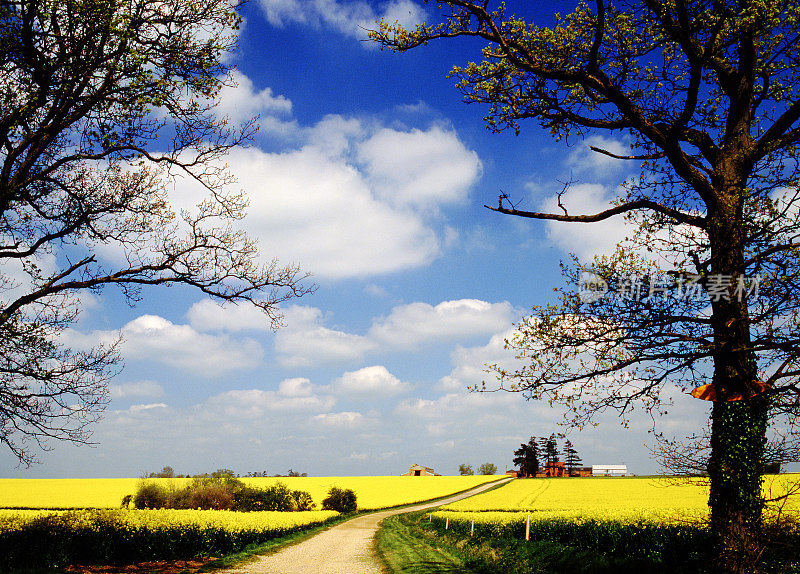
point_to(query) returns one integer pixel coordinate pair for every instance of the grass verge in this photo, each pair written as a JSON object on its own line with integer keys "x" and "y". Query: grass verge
{"x": 404, "y": 547}
{"x": 409, "y": 544}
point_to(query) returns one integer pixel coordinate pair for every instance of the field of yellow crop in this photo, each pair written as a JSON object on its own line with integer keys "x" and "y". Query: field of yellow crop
{"x": 155, "y": 520}
{"x": 371, "y": 491}
{"x": 382, "y": 491}
{"x": 632, "y": 499}
{"x": 38, "y": 540}
{"x": 66, "y": 492}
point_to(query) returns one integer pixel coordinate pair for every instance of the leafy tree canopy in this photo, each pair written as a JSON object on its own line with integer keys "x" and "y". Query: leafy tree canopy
{"x": 706, "y": 94}
{"x": 104, "y": 104}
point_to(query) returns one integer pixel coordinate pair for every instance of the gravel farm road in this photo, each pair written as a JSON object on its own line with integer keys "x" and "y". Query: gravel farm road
{"x": 346, "y": 548}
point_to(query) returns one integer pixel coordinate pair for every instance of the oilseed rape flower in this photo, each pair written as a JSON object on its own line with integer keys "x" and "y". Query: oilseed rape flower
{"x": 372, "y": 491}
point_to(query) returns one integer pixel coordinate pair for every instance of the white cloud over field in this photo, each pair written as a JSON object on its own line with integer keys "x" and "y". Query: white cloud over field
{"x": 347, "y": 196}
{"x": 367, "y": 420}
{"x": 344, "y": 197}
{"x": 307, "y": 341}
{"x": 214, "y": 343}
{"x": 153, "y": 338}
{"x": 319, "y": 211}
{"x": 256, "y": 403}
{"x": 417, "y": 323}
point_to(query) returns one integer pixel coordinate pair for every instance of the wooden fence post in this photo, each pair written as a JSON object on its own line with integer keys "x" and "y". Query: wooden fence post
{"x": 528, "y": 528}
{"x": 430, "y": 516}
{"x": 447, "y": 523}
{"x": 472, "y": 530}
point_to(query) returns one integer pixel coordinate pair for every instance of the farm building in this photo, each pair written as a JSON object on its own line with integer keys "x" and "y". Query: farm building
{"x": 609, "y": 470}
{"x": 419, "y": 470}
{"x": 557, "y": 469}
{"x": 551, "y": 469}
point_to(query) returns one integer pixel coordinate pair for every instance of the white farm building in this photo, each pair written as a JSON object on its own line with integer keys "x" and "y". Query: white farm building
{"x": 609, "y": 470}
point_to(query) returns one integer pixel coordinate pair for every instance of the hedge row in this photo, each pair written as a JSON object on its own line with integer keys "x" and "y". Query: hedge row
{"x": 58, "y": 540}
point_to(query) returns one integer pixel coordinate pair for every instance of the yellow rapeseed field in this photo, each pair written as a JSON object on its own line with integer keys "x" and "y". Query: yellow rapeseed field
{"x": 371, "y": 491}
{"x": 67, "y": 492}
{"x": 381, "y": 491}
{"x": 632, "y": 499}
{"x": 155, "y": 520}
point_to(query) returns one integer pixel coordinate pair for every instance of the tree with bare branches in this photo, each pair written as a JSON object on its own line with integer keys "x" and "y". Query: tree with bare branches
{"x": 103, "y": 103}
{"x": 704, "y": 293}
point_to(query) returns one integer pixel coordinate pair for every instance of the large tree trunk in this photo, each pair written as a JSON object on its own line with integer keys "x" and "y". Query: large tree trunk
{"x": 738, "y": 427}
{"x": 738, "y": 431}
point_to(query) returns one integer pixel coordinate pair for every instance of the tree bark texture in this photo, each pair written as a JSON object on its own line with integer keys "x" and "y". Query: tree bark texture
{"x": 738, "y": 435}
{"x": 738, "y": 427}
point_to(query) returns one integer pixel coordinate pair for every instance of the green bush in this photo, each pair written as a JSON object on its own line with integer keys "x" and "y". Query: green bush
{"x": 340, "y": 500}
{"x": 151, "y": 495}
{"x": 279, "y": 497}
{"x": 303, "y": 500}
{"x": 209, "y": 497}
{"x": 223, "y": 492}
{"x": 276, "y": 497}
{"x": 252, "y": 500}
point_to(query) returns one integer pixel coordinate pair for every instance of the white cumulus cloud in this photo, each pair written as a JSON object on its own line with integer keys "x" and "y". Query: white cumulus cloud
{"x": 345, "y": 197}
{"x": 240, "y": 101}
{"x": 470, "y": 363}
{"x": 585, "y": 160}
{"x": 318, "y": 211}
{"x": 297, "y": 387}
{"x": 420, "y": 168}
{"x": 373, "y": 381}
{"x": 306, "y": 341}
{"x": 255, "y": 403}
{"x": 153, "y": 338}
{"x": 416, "y": 323}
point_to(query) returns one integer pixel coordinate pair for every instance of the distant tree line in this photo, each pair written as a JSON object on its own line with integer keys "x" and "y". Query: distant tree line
{"x": 292, "y": 474}
{"x": 487, "y": 468}
{"x": 168, "y": 472}
{"x": 544, "y": 453}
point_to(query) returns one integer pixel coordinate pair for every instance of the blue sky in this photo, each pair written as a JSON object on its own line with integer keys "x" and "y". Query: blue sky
{"x": 371, "y": 173}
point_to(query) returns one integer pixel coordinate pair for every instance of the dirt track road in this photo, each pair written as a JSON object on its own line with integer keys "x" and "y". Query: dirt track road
{"x": 347, "y": 548}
